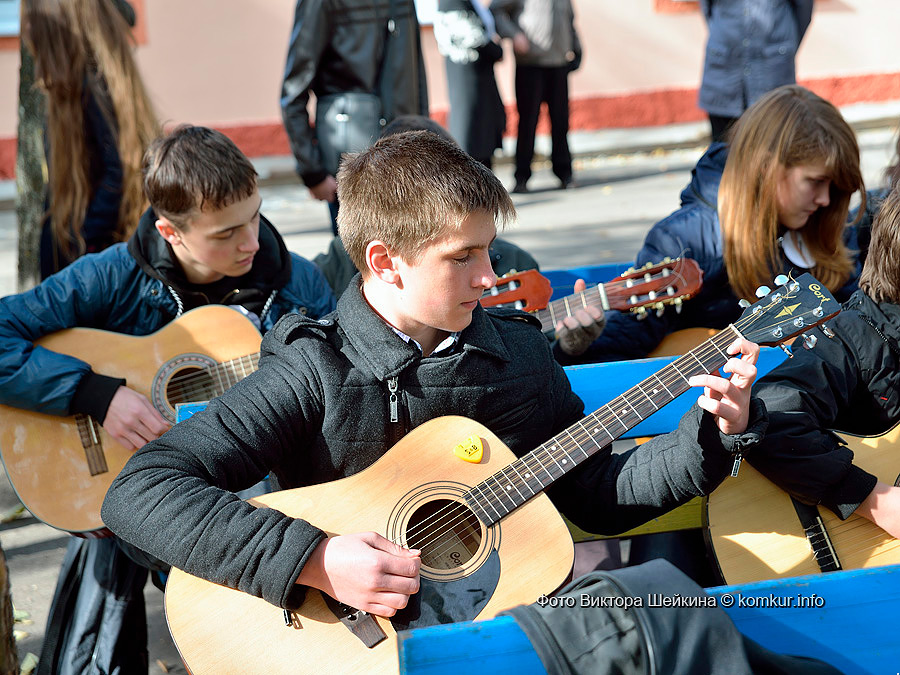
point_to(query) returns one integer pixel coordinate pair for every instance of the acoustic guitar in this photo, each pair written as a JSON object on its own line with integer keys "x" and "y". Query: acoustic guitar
{"x": 757, "y": 531}
{"x": 489, "y": 537}
{"x": 651, "y": 287}
{"x": 61, "y": 467}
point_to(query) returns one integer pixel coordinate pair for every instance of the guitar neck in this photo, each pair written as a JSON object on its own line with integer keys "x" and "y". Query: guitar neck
{"x": 518, "y": 482}
{"x": 557, "y": 310}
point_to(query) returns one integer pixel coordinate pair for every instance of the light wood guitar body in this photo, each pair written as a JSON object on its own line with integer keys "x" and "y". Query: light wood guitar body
{"x": 61, "y": 467}
{"x": 681, "y": 341}
{"x": 756, "y": 534}
{"x": 219, "y": 630}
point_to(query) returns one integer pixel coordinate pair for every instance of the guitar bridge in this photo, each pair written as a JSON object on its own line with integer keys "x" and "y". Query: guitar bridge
{"x": 89, "y": 434}
{"x": 817, "y": 536}
{"x": 361, "y": 624}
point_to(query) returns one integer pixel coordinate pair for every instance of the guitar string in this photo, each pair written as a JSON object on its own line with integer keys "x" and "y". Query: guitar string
{"x": 559, "y": 306}
{"x": 584, "y": 436}
{"x": 704, "y": 349}
{"x": 579, "y": 435}
{"x": 200, "y": 384}
{"x": 844, "y": 528}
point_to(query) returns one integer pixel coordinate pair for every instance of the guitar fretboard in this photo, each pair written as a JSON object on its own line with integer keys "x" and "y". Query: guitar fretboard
{"x": 557, "y": 310}
{"x": 509, "y": 488}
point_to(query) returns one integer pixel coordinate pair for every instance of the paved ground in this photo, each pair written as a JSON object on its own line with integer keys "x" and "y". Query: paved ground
{"x": 605, "y": 219}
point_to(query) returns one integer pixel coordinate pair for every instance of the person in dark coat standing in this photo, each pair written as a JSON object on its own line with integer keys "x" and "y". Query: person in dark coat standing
{"x": 466, "y": 36}
{"x": 547, "y": 50}
{"x": 750, "y": 50}
{"x": 363, "y": 61}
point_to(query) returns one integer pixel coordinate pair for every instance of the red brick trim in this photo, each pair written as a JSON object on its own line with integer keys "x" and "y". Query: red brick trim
{"x": 643, "y": 109}
{"x": 675, "y": 6}
{"x": 7, "y": 158}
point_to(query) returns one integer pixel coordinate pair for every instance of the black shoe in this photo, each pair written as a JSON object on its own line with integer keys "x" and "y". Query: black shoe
{"x": 521, "y": 188}
{"x": 568, "y": 184}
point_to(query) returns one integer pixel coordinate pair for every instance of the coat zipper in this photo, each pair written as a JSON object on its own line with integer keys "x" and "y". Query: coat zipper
{"x": 397, "y": 428}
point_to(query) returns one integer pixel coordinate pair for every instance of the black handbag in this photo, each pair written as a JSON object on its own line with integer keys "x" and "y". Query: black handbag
{"x": 351, "y": 121}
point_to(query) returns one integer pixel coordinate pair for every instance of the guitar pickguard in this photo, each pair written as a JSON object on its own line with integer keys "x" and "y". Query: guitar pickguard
{"x": 450, "y": 601}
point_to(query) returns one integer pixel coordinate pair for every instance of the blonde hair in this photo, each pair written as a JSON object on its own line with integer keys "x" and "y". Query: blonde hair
{"x": 407, "y": 190}
{"x": 788, "y": 127}
{"x": 880, "y": 278}
{"x": 78, "y": 44}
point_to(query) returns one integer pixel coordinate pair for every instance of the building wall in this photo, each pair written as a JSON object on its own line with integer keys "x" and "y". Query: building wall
{"x": 641, "y": 67}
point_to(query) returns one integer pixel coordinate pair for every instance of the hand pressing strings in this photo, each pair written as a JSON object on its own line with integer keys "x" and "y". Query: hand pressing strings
{"x": 576, "y": 333}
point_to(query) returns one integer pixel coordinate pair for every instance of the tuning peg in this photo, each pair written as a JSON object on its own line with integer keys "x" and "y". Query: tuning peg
{"x": 828, "y": 332}
{"x": 744, "y": 303}
{"x": 677, "y": 304}
{"x": 660, "y": 309}
{"x": 809, "y": 341}
{"x": 787, "y": 351}
{"x": 667, "y": 259}
{"x": 763, "y": 291}
{"x": 641, "y": 314}
{"x": 781, "y": 280}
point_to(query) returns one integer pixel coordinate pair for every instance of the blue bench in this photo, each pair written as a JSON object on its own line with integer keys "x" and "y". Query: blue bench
{"x": 853, "y": 629}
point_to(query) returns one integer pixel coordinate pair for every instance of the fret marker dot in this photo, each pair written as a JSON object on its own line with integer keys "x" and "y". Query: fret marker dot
{"x": 509, "y": 487}
{"x": 565, "y": 461}
{"x": 527, "y": 475}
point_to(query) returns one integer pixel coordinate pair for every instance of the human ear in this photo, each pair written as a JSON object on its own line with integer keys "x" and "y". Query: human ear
{"x": 382, "y": 263}
{"x": 168, "y": 231}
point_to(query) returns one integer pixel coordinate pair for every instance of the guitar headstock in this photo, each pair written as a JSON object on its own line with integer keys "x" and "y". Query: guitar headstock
{"x": 654, "y": 286}
{"x": 788, "y": 311}
{"x": 528, "y": 291}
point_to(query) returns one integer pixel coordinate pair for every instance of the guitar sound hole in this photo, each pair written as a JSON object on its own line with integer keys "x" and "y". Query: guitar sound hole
{"x": 446, "y": 532}
{"x": 189, "y": 385}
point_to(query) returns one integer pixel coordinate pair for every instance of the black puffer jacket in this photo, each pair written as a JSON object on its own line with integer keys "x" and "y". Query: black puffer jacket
{"x": 849, "y": 383}
{"x": 318, "y": 409}
{"x": 338, "y": 46}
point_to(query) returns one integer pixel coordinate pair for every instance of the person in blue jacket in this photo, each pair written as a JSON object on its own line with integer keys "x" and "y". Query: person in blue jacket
{"x": 750, "y": 50}
{"x": 774, "y": 201}
{"x": 202, "y": 241}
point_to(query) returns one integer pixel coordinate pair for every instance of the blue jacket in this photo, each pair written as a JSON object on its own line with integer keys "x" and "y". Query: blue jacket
{"x": 750, "y": 50}
{"x": 692, "y": 232}
{"x": 130, "y": 289}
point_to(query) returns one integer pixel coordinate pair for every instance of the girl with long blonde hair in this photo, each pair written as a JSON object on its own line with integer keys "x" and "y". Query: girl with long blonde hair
{"x": 774, "y": 201}
{"x": 99, "y": 122}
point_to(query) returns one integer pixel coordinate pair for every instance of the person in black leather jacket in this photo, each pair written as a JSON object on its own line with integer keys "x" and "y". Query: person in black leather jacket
{"x": 357, "y": 46}
{"x": 851, "y": 383}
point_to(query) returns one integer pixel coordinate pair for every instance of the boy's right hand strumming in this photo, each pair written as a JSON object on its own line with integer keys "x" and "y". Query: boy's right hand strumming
{"x": 132, "y": 420}
{"x": 365, "y": 571}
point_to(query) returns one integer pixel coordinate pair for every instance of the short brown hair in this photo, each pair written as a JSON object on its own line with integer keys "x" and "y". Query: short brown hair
{"x": 880, "y": 278}
{"x": 195, "y": 168}
{"x": 408, "y": 189}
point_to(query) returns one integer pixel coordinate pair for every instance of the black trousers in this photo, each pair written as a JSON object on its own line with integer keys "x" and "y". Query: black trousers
{"x": 536, "y": 85}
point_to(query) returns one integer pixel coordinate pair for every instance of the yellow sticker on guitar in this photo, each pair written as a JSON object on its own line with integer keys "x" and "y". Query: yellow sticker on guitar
{"x": 470, "y": 450}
